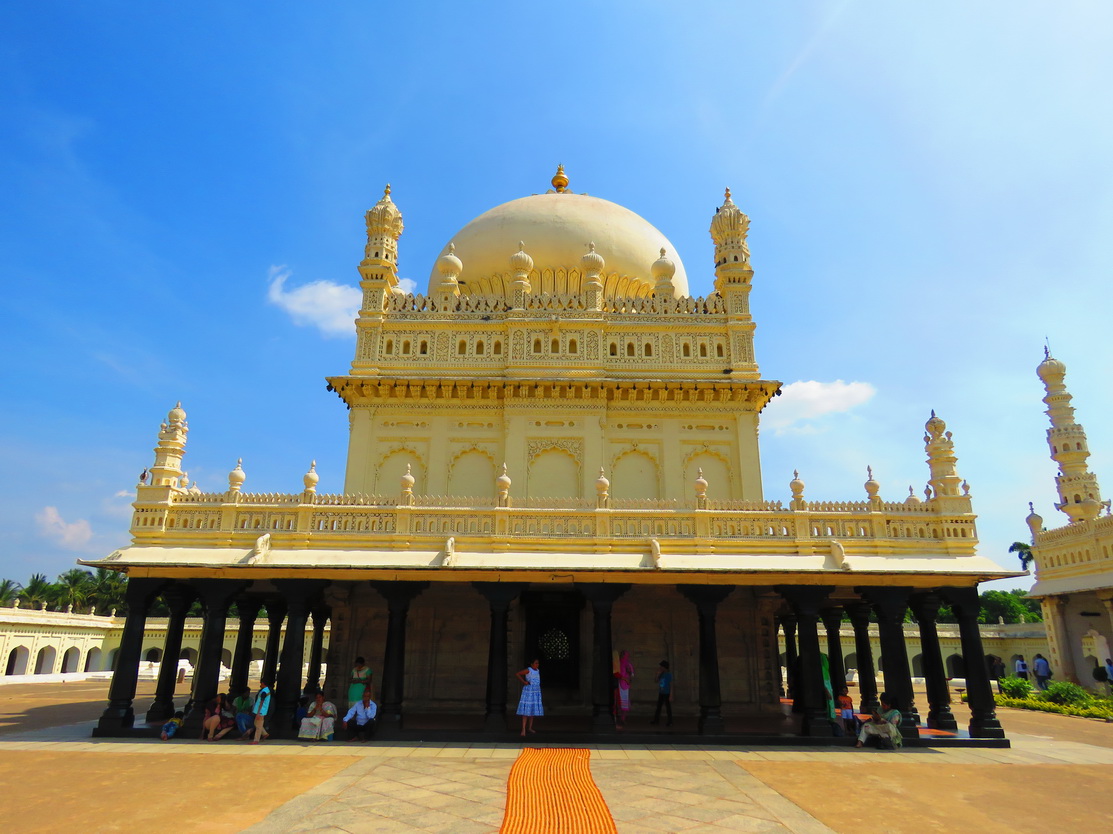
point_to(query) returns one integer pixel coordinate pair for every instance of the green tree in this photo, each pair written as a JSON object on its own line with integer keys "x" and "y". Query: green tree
{"x": 73, "y": 588}
{"x": 107, "y": 589}
{"x": 9, "y": 590}
{"x": 37, "y": 591}
{"x": 1010, "y": 606}
{"x": 1023, "y": 552}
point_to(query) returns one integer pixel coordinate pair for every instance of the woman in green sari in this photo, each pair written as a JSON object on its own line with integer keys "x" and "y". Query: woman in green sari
{"x": 361, "y": 679}
{"x": 885, "y": 724}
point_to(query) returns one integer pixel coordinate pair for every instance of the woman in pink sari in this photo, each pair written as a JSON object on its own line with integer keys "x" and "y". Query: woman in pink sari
{"x": 623, "y": 677}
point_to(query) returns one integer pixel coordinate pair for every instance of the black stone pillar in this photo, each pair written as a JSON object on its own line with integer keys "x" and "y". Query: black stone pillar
{"x": 859, "y": 614}
{"x": 320, "y": 616}
{"x": 792, "y": 657}
{"x": 602, "y": 597}
{"x": 119, "y": 716}
{"x": 298, "y": 594}
{"x": 398, "y": 596}
{"x": 706, "y": 598}
{"x": 499, "y": 595}
{"x": 276, "y": 613}
{"x": 979, "y": 692}
{"x": 241, "y": 657}
{"x": 832, "y": 624}
{"x": 926, "y": 608}
{"x": 890, "y": 605}
{"x": 216, "y": 595}
{"x": 811, "y": 693}
{"x": 178, "y": 599}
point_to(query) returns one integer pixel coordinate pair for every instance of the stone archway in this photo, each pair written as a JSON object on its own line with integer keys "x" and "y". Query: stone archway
{"x": 153, "y": 655}
{"x": 92, "y": 660}
{"x": 71, "y": 660}
{"x": 956, "y": 666}
{"x": 45, "y": 659}
{"x": 18, "y": 659}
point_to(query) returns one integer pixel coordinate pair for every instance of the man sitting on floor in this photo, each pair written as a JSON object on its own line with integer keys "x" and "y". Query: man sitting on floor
{"x": 364, "y": 713}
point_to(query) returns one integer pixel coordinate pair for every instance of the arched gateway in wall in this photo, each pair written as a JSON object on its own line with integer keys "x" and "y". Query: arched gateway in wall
{"x": 557, "y": 355}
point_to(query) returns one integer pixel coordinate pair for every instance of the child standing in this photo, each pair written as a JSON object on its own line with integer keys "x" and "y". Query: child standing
{"x": 664, "y": 693}
{"x": 846, "y": 711}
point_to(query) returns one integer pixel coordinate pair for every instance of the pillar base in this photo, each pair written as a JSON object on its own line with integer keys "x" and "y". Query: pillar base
{"x": 494, "y": 722}
{"x": 986, "y": 728}
{"x": 115, "y": 721}
{"x": 160, "y": 711}
{"x": 817, "y": 727}
{"x": 602, "y": 723}
{"x": 942, "y": 720}
{"x": 711, "y": 725}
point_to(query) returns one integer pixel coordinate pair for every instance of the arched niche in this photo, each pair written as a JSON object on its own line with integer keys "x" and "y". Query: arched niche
{"x": 389, "y": 472}
{"x": 17, "y": 661}
{"x": 635, "y": 474}
{"x": 554, "y": 473}
{"x": 716, "y": 471}
{"x": 472, "y": 474}
{"x": 44, "y": 661}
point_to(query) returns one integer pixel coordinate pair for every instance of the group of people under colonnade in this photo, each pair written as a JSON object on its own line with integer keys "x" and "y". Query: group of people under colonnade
{"x": 801, "y": 610}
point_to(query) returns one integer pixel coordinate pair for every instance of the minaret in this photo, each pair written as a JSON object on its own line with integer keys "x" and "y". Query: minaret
{"x": 1079, "y": 494}
{"x": 167, "y": 468}
{"x": 947, "y": 488}
{"x": 378, "y": 277}
{"x": 733, "y": 274}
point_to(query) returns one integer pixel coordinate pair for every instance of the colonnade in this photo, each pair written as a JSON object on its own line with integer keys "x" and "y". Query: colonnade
{"x": 295, "y": 601}
{"x": 301, "y": 601}
{"x": 809, "y": 605}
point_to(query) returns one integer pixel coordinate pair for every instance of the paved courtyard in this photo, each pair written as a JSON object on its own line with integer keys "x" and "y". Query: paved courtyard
{"x": 1057, "y": 774}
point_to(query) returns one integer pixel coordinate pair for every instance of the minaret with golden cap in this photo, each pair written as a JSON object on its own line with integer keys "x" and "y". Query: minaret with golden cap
{"x": 378, "y": 278}
{"x": 1079, "y": 494}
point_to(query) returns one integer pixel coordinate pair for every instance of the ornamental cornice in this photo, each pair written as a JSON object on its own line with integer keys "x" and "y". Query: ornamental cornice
{"x": 751, "y": 395}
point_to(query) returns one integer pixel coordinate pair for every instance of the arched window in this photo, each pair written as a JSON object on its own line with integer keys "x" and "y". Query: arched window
{"x": 462, "y": 347}
{"x": 498, "y": 349}
{"x": 479, "y": 348}
{"x": 614, "y": 349}
{"x": 423, "y": 348}
{"x": 703, "y": 351}
{"x": 572, "y": 346}
{"x": 390, "y": 346}
{"x": 406, "y": 347}
{"x": 629, "y": 348}
{"x": 554, "y": 346}
{"x": 687, "y": 349}
{"x": 719, "y": 351}
{"x": 648, "y": 350}
{"x": 536, "y": 345}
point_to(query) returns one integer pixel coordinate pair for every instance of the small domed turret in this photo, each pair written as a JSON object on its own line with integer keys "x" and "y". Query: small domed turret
{"x": 311, "y": 478}
{"x": 662, "y": 270}
{"x": 448, "y": 265}
{"x": 871, "y": 485}
{"x": 592, "y": 261}
{"x": 1050, "y": 368}
{"x": 912, "y": 498}
{"x": 176, "y": 414}
{"x": 520, "y": 261}
{"x": 237, "y": 476}
{"x": 1034, "y": 521}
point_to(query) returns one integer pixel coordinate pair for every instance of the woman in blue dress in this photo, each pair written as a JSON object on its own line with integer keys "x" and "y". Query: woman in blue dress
{"x": 529, "y": 706}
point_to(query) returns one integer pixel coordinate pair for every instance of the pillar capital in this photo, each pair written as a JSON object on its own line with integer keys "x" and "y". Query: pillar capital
{"x": 500, "y": 594}
{"x": 602, "y": 593}
{"x": 806, "y": 600}
{"x": 889, "y": 602}
{"x": 399, "y": 595}
{"x": 299, "y": 593}
{"x": 925, "y": 606}
{"x": 705, "y": 596}
{"x": 249, "y": 606}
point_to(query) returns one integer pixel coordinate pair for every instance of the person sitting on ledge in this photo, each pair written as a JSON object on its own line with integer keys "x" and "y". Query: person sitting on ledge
{"x": 319, "y": 721}
{"x": 219, "y": 718}
{"x": 364, "y": 712}
{"x": 885, "y": 725}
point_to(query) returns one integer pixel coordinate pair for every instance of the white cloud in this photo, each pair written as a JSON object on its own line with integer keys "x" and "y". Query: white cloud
{"x": 407, "y": 285}
{"x": 75, "y": 534}
{"x": 331, "y": 308}
{"x": 801, "y": 403}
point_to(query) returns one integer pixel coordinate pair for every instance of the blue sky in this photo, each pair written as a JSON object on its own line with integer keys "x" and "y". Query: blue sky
{"x": 930, "y": 189}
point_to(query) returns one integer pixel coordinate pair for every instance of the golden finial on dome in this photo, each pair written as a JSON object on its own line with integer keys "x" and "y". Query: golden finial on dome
{"x": 560, "y": 181}
{"x": 386, "y": 191}
{"x": 727, "y": 198}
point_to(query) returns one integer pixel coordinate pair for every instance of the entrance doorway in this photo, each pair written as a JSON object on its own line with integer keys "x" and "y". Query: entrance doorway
{"x": 552, "y": 635}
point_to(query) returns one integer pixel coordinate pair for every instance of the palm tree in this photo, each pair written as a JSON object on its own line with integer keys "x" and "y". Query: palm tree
{"x": 107, "y": 589}
{"x": 37, "y": 590}
{"x": 73, "y": 588}
{"x": 9, "y": 590}
{"x": 1023, "y": 552}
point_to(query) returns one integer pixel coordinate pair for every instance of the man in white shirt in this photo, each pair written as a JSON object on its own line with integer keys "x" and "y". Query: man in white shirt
{"x": 1022, "y": 668}
{"x": 364, "y": 712}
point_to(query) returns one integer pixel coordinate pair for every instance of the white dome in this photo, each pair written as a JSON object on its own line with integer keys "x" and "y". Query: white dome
{"x": 556, "y": 229}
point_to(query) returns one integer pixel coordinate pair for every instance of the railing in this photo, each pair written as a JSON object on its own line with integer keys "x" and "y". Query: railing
{"x": 329, "y": 516}
{"x": 548, "y": 302}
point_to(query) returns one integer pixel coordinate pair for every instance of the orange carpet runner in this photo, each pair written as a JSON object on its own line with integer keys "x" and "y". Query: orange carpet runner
{"x": 551, "y": 790}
